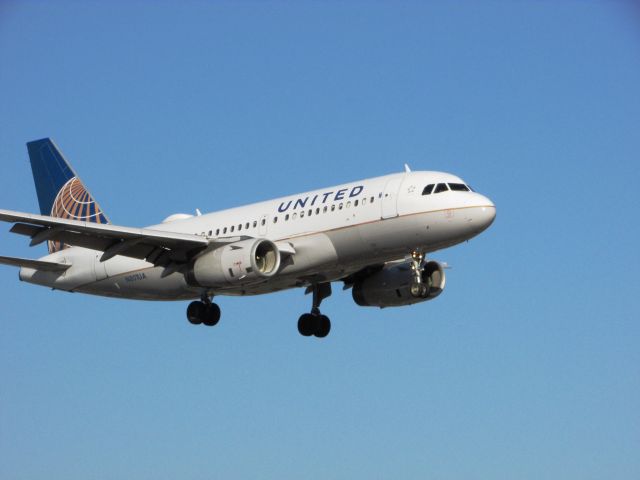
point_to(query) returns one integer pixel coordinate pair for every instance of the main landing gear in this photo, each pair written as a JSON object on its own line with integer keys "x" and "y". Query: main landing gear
{"x": 418, "y": 288}
{"x": 204, "y": 311}
{"x": 315, "y": 323}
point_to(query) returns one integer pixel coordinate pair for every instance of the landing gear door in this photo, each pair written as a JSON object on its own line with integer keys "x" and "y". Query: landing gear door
{"x": 390, "y": 198}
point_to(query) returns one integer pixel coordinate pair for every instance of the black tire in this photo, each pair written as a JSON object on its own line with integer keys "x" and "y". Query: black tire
{"x": 195, "y": 312}
{"x": 306, "y": 324}
{"x": 323, "y": 326}
{"x": 211, "y": 315}
{"x": 419, "y": 290}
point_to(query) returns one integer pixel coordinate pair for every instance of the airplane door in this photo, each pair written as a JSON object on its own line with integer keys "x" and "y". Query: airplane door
{"x": 100, "y": 268}
{"x": 390, "y": 198}
{"x": 262, "y": 227}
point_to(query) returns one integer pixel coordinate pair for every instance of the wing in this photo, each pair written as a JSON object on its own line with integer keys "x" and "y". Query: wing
{"x": 155, "y": 246}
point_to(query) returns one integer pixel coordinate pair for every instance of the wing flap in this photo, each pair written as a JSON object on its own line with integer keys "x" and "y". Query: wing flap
{"x": 24, "y": 229}
{"x": 35, "y": 264}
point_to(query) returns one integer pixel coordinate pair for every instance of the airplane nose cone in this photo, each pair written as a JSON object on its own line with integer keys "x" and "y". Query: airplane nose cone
{"x": 486, "y": 214}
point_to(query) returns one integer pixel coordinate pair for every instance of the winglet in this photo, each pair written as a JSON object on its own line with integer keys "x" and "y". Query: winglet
{"x": 407, "y": 169}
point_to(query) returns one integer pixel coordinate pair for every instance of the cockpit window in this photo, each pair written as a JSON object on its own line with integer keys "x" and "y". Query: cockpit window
{"x": 428, "y": 189}
{"x": 458, "y": 187}
{"x": 441, "y": 187}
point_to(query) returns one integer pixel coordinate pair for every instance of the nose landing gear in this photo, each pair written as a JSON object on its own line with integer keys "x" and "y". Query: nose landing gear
{"x": 203, "y": 312}
{"x": 418, "y": 288}
{"x": 315, "y": 323}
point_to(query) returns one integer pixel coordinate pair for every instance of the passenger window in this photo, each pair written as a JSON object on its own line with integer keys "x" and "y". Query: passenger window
{"x": 355, "y": 204}
{"x": 364, "y": 201}
{"x": 232, "y": 227}
{"x": 302, "y": 214}
{"x": 210, "y": 233}
{"x": 458, "y": 187}
{"x": 217, "y": 232}
{"x": 295, "y": 215}
{"x": 275, "y": 219}
{"x": 225, "y": 230}
{"x": 286, "y": 217}
{"x": 239, "y": 227}
{"x": 441, "y": 187}
{"x": 325, "y": 208}
{"x": 371, "y": 199}
{"x": 255, "y": 223}
{"x": 263, "y": 222}
{"x": 348, "y": 204}
{"x": 317, "y": 210}
{"x": 428, "y": 189}
{"x": 246, "y": 225}
{"x": 310, "y": 211}
{"x": 333, "y": 208}
{"x": 340, "y": 206}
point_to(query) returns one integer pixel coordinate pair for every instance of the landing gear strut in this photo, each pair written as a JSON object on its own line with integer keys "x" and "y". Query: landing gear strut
{"x": 418, "y": 288}
{"x": 203, "y": 311}
{"x": 315, "y": 323}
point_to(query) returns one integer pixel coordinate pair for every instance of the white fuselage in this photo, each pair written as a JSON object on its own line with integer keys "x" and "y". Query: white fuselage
{"x": 334, "y": 232}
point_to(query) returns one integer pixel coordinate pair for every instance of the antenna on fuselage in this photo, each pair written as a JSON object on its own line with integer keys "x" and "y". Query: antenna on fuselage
{"x": 407, "y": 168}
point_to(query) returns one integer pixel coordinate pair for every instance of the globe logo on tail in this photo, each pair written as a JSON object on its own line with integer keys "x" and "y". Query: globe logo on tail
{"x": 75, "y": 203}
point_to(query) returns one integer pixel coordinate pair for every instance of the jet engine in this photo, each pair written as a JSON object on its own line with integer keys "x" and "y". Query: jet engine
{"x": 238, "y": 263}
{"x": 391, "y": 286}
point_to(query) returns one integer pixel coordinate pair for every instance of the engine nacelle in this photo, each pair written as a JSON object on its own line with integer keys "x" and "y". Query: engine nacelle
{"x": 391, "y": 286}
{"x": 239, "y": 263}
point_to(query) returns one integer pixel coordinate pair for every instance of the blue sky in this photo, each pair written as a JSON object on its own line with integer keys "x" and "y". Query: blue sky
{"x": 528, "y": 366}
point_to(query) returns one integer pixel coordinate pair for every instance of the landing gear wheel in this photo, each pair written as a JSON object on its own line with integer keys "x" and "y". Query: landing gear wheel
{"x": 195, "y": 312}
{"x": 315, "y": 323}
{"x": 306, "y": 324}
{"x": 419, "y": 290}
{"x": 323, "y": 326}
{"x": 206, "y": 313}
{"x": 211, "y": 315}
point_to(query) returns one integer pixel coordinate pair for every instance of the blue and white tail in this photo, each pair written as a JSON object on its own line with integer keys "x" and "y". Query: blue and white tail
{"x": 60, "y": 191}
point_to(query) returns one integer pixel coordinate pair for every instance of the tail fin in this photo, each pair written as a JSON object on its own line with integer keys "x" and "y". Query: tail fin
{"x": 60, "y": 191}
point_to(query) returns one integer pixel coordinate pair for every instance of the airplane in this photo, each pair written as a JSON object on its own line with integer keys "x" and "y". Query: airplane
{"x": 373, "y": 235}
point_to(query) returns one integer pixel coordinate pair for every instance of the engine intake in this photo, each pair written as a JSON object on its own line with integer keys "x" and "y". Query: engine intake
{"x": 391, "y": 286}
{"x": 239, "y": 263}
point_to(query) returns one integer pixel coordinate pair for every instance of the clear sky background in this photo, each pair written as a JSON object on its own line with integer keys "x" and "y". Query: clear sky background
{"x": 527, "y": 367}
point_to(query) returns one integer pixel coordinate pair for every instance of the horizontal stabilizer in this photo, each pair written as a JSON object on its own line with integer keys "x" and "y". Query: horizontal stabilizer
{"x": 35, "y": 264}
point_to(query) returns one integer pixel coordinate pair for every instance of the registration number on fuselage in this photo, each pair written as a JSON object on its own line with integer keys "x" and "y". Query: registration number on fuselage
{"x": 135, "y": 277}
